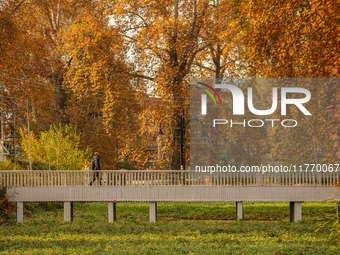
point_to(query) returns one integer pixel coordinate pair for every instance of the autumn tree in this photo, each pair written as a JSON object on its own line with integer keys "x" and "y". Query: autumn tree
{"x": 165, "y": 38}
{"x": 296, "y": 39}
{"x": 66, "y": 62}
{"x": 219, "y": 59}
{"x": 105, "y": 101}
{"x": 41, "y": 64}
{"x": 114, "y": 68}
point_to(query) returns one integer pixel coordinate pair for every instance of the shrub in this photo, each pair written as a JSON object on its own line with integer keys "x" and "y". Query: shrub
{"x": 9, "y": 165}
{"x": 6, "y": 208}
{"x": 56, "y": 149}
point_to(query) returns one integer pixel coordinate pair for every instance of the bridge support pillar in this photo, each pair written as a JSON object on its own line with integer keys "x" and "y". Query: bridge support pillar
{"x": 20, "y": 212}
{"x": 295, "y": 212}
{"x": 112, "y": 212}
{"x": 68, "y": 211}
{"x": 239, "y": 210}
{"x": 153, "y": 211}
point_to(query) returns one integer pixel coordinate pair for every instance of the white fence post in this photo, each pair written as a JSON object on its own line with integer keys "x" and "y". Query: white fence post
{"x": 112, "y": 210}
{"x": 68, "y": 211}
{"x": 153, "y": 211}
{"x": 239, "y": 210}
{"x": 20, "y": 212}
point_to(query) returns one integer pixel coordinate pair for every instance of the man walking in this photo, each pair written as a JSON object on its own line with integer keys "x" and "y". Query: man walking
{"x": 95, "y": 165}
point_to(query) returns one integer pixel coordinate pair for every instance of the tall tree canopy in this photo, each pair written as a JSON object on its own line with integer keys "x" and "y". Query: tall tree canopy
{"x": 114, "y": 69}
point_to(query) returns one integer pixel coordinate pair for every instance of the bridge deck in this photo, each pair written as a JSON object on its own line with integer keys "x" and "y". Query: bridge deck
{"x": 137, "y": 185}
{"x": 167, "y": 186}
{"x": 172, "y": 194}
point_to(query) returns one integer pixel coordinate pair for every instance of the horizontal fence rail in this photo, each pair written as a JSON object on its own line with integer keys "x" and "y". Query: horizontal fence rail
{"x": 162, "y": 178}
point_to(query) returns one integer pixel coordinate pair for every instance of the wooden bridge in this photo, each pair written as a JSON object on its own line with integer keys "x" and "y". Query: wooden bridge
{"x": 167, "y": 186}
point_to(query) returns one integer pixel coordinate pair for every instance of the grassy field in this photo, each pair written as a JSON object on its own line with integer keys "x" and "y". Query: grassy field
{"x": 182, "y": 228}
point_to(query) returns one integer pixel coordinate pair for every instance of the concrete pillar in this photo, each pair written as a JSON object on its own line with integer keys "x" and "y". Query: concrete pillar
{"x": 153, "y": 211}
{"x": 68, "y": 211}
{"x": 239, "y": 210}
{"x": 112, "y": 212}
{"x": 20, "y": 212}
{"x": 295, "y": 212}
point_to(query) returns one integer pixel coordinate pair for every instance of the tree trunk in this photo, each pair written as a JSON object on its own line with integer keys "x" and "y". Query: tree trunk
{"x": 176, "y": 155}
{"x": 60, "y": 92}
{"x": 177, "y": 91}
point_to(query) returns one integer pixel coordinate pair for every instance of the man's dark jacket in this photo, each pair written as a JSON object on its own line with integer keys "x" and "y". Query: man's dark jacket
{"x": 95, "y": 163}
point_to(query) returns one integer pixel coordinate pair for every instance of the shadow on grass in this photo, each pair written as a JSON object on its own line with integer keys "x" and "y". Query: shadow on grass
{"x": 182, "y": 228}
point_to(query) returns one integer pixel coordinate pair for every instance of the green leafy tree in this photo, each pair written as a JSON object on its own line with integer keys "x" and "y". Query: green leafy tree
{"x": 56, "y": 149}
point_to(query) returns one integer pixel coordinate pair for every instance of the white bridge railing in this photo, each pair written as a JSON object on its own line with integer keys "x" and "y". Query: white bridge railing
{"x": 162, "y": 178}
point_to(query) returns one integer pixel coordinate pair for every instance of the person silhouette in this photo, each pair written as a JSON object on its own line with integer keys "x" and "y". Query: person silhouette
{"x": 95, "y": 165}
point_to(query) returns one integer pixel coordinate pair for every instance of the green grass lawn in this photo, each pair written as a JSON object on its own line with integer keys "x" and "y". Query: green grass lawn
{"x": 182, "y": 228}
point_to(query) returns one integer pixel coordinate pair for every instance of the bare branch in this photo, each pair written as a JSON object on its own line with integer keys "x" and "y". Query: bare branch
{"x": 133, "y": 28}
{"x": 141, "y": 76}
{"x": 18, "y": 6}
{"x": 129, "y": 37}
{"x": 193, "y": 56}
{"x": 204, "y": 67}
